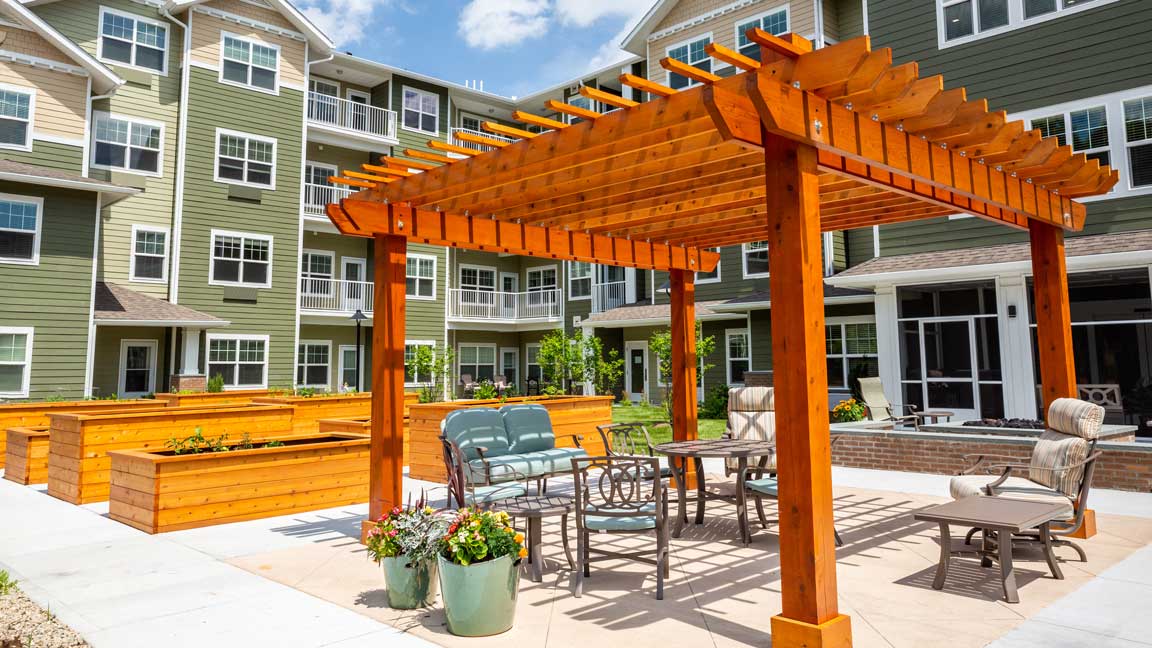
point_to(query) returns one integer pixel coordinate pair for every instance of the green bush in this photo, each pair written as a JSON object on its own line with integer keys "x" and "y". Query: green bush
{"x": 715, "y": 405}
{"x": 7, "y": 583}
{"x": 485, "y": 390}
{"x": 216, "y": 384}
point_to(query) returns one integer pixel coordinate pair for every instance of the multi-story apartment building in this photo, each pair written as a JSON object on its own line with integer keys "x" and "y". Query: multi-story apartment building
{"x": 165, "y": 165}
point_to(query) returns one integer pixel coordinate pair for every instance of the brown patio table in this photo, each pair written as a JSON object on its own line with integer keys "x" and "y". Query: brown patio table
{"x": 700, "y": 449}
{"x": 998, "y": 518}
{"x": 934, "y": 416}
{"x": 534, "y": 508}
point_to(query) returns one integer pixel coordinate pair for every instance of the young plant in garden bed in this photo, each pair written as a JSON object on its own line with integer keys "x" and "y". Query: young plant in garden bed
{"x": 197, "y": 444}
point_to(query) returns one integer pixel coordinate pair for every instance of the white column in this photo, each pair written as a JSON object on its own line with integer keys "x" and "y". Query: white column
{"x": 1015, "y": 347}
{"x": 191, "y": 355}
{"x": 630, "y": 285}
{"x": 888, "y": 344}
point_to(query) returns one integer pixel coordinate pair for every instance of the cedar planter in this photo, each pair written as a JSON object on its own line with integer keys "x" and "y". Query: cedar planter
{"x": 27, "y": 455}
{"x": 36, "y": 414}
{"x": 237, "y": 397}
{"x": 78, "y": 464}
{"x": 158, "y": 491}
{"x": 311, "y": 409}
{"x": 361, "y": 425}
{"x": 570, "y": 415}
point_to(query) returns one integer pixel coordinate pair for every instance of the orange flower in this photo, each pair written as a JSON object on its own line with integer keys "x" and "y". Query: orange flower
{"x": 523, "y": 552}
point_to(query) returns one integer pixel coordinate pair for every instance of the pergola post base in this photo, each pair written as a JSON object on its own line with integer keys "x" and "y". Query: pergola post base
{"x": 833, "y": 633}
{"x": 1087, "y": 528}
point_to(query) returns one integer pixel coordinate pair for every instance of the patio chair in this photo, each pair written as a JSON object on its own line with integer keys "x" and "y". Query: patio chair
{"x": 879, "y": 409}
{"x": 612, "y": 495}
{"x": 500, "y": 382}
{"x": 759, "y": 488}
{"x": 1060, "y": 469}
{"x": 1106, "y": 396}
{"x": 467, "y": 384}
{"x": 463, "y": 436}
{"x": 751, "y": 415}
{"x": 631, "y": 440}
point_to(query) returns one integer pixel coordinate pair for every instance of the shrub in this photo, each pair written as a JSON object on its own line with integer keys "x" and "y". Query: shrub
{"x": 485, "y": 390}
{"x": 215, "y": 384}
{"x": 480, "y": 536}
{"x": 7, "y": 583}
{"x": 197, "y": 444}
{"x": 847, "y": 411}
{"x": 715, "y": 405}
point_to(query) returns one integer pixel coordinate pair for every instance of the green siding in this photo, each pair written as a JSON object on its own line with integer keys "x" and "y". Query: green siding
{"x": 106, "y": 363}
{"x": 53, "y": 155}
{"x": 425, "y": 318}
{"x": 417, "y": 139}
{"x": 344, "y": 159}
{"x": 55, "y": 296}
{"x": 849, "y": 18}
{"x": 732, "y": 283}
{"x": 761, "y": 335}
{"x": 858, "y": 246}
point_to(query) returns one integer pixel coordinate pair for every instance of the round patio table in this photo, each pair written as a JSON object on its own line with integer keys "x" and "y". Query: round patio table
{"x": 700, "y": 449}
{"x": 534, "y": 508}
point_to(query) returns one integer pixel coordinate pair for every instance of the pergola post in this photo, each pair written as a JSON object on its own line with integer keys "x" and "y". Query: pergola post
{"x": 809, "y": 615}
{"x": 683, "y": 316}
{"x": 386, "y": 479}
{"x": 1053, "y": 318}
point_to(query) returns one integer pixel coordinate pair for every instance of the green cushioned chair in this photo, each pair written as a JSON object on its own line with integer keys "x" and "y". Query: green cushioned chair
{"x": 768, "y": 487}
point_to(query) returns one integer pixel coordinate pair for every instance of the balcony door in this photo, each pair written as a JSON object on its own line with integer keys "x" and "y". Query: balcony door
{"x": 355, "y": 286}
{"x": 509, "y": 294}
{"x": 358, "y": 103}
{"x": 543, "y": 296}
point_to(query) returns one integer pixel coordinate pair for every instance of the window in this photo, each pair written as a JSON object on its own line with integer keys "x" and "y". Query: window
{"x": 420, "y": 276}
{"x": 242, "y": 360}
{"x": 737, "y": 355}
{"x": 20, "y": 229}
{"x": 775, "y": 23}
{"x": 126, "y": 144}
{"x": 579, "y": 280}
{"x": 316, "y": 270}
{"x": 350, "y": 379}
{"x": 1088, "y": 129}
{"x": 478, "y": 361}
{"x": 326, "y": 88}
{"x": 421, "y": 111}
{"x": 249, "y": 63}
{"x": 693, "y": 54}
{"x": 412, "y": 377}
{"x": 17, "y": 105}
{"x": 532, "y": 362}
{"x": 245, "y": 159}
{"x": 313, "y": 364}
{"x": 851, "y": 353}
{"x": 134, "y": 41}
{"x": 755, "y": 259}
{"x": 475, "y": 278}
{"x": 1138, "y": 136}
{"x": 709, "y": 277}
{"x": 137, "y": 367}
{"x": 240, "y": 259}
{"x": 15, "y": 361}
{"x": 961, "y": 21}
{"x": 149, "y": 254}
{"x": 541, "y": 279}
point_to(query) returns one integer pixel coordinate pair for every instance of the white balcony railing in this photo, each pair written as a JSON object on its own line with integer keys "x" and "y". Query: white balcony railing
{"x": 351, "y": 115}
{"x": 607, "y": 296}
{"x": 473, "y": 145}
{"x": 470, "y": 304}
{"x": 317, "y": 197}
{"x": 335, "y": 295}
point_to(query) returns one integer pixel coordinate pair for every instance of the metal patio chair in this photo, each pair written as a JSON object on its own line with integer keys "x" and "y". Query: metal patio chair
{"x": 879, "y": 408}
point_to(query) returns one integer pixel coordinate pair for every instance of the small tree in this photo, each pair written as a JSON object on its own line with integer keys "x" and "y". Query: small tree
{"x": 562, "y": 360}
{"x": 661, "y": 344}
{"x": 604, "y": 372}
{"x": 436, "y": 364}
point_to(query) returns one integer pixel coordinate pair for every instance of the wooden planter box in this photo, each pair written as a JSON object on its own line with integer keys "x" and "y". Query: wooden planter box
{"x": 36, "y": 414}
{"x": 158, "y": 492}
{"x": 78, "y": 464}
{"x": 310, "y": 410}
{"x": 570, "y": 415}
{"x": 237, "y": 397}
{"x": 27, "y": 455}
{"x": 362, "y": 425}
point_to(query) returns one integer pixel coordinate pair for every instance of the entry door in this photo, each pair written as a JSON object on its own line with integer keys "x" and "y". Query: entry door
{"x": 509, "y": 362}
{"x": 354, "y": 270}
{"x": 358, "y": 110}
{"x": 948, "y": 355}
{"x": 636, "y": 369}
{"x": 348, "y": 375}
{"x": 137, "y": 367}
{"x": 509, "y": 295}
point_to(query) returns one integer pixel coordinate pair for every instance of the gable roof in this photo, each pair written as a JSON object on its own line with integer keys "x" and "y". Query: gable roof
{"x": 104, "y": 80}
{"x": 636, "y": 40}
{"x": 316, "y": 38}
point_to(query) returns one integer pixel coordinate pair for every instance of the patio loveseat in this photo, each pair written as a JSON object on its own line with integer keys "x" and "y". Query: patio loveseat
{"x": 487, "y": 450}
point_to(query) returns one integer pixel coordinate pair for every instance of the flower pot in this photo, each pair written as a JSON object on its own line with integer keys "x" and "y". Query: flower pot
{"x": 409, "y": 586}
{"x": 479, "y": 599}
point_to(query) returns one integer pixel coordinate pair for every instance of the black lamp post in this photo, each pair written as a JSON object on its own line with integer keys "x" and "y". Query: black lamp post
{"x": 358, "y": 317}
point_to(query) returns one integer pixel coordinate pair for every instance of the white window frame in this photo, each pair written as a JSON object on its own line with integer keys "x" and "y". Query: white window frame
{"x": 1016, "y": 19}
{"x": 844, "y": 355}
{"x": 212, "y": 281}
{"x": 787, "y": 9}
{"x": 527, "y": 346}
{"x": 728, "y": 358}
{"x": 221, "y": 132}
{"x": 163, "y": 71}
{"x": 37, "y": 235}
{"x": 27, "y": 364}
{"x": 210, "y": 337}
{"x": 158, "y": 173}
{"x": 121, "y": 388}
{"x": 403, "y": 108}
{"x": 744, "y": 263}
{"x": 435, "y": 271}
{"x": 251, "y": 41}
{"x": 328, "y": 373}
{"x": 28, "y": 137}
{"x": 479, "y": 268}
{"x": 501, "y": 367}
{"x": 342, "y": 367}
{"x": 668, "y": 53}
{"x": 306, "y": 275}
{"x": 541, "y": 269}
{"x": 136, "y": 227}
{"x": 415, "y": 343}
{"x": 716, "y": 279}
{"x": 478, "y": 345}
{"x": 591, "y": 278}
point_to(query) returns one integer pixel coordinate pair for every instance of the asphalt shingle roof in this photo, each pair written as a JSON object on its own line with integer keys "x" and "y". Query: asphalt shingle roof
{"x": 117, "y": 303}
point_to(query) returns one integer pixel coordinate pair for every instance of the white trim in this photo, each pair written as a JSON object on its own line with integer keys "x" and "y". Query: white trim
{"x": 760, "y": 18}
{"x": 864, "y": 16}
{"x": 90, "y": 347}
{"x": 182, "y": 163}
{"x": 153, "y": 368}
{"x": 354, "y": 260}
{"x": 403, "y": 108}
{"x": 629, "y": 345}
{"x": 668, "y": 53}
{"x": 56, "y": 139}
{"x": 250, "y": 22}
{"x": 844, "y": 356}
{"x": 416, "y": 343}
{"x": 472, "y": 266}
{"x": 220, "y": 132}
{"x": 25, "y": 386}
{"x": 136, "y": 227}
{"x": 340, "y": 365}
{"x": 744, "y": 263}
{"x": 718, "y": 278}
{"x": 728, "y": 359}
{"x": 527, "y": 346}
{"x": 37, "y": 235}
{"x": 95, "y": 185}
{"x": 275, "y": 90}
{"x": 163, "y": 71}
{"x": 158, "y": 173}
{"x": 591, "y": 280}
{"x": 516, "y": 365}
{"x": 477, "y": 345}
{"x": 1016, "y": 19}
{"x": 212, "y": 281}
{"x": 695, "y": 20}
{"x": 540, "y": 268}
{"x": 109, "y": 80}
{"x": 327, "y": 384}
{"x": 304, "y": 273}
{"x": 435, "y": 273}
{"x": 31, "y": 122}
{"x": 351, "y": 92}
{"x": 36, "y": 61}
{"x": 211, "y": 337}
{"x": 200, "y": 324}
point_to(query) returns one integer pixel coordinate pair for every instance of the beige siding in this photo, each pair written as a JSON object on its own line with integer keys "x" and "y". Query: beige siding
{"x": 344, "y": 86}
{"x": 61, "y": 98}
{"x": 206, "y": 39}
{"x": 249, "y": 10}
{"x": 31, "y": 44}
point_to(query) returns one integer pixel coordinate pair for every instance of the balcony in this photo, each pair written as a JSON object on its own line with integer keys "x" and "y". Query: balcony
{"x": 340, "y": 122}
{"x": 607, "y": 296}
{"x": 334, "y": 296}
{"x": 507, "y": 307}
{"x": 452, "y": 139}
{"x": 318, "y": 196}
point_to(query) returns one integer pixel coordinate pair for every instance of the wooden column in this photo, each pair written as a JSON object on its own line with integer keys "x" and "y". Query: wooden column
{"x": 683, "y": 316}
{"x": 386, "y": 485}
{"x": 807, "y": 549}
{"x": 1053, "y": 320}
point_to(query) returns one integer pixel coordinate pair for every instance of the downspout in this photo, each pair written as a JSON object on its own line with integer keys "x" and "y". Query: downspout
{"x": 818, "y": 19}
{"x": 864, "y": 15}
{"x": 181, "y": 152}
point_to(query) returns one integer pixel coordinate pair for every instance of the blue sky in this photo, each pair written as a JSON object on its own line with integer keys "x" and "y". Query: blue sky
{"x": 515, "y": 46}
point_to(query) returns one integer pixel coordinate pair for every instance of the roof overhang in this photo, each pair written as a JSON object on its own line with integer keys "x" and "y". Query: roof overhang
{"x": 655, "y": 321}
{"x": 197, "y": 324}
{"x": 113, "y": 193}
{"x": 318, "y": 40}
{"x": 637, "y": 40}
{"x": 104, "y": 80}
{"x": 727, "y": 307}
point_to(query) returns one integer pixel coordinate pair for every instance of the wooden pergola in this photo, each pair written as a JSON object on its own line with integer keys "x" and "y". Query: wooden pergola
{"x": 803, "y": 142}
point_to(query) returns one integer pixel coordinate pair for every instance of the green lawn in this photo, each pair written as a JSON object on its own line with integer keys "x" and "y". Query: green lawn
{"x": 706, "y": 429}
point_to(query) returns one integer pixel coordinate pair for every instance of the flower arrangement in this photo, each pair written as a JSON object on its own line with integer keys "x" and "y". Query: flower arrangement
{"x": 480, "y": 536}
{"x": 847, "y": 411}
{"x": 414, "y": 532}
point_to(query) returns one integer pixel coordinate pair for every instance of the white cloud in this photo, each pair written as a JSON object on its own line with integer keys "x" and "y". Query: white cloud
{"x": 344, "y": 21}
{"x": 491, "y": 24}
{"x": 582, "y": 13}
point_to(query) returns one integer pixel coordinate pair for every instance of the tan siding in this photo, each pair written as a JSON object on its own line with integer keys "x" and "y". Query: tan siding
{"x": 249, "y": 10}
{"x": 344, "y": 86}
{"x": 60, "y": 98}
{"x": 206, "y": 38}
{"x": 31, "y": 44}
{"x": 831, "y": 20}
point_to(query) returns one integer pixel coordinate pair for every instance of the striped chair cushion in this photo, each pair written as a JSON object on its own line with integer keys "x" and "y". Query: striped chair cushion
{"x": 751, "y": 399}
{"x": 1053, "y": 452}
{"x": 1076, "y": 417}
{"x": 759, "y": 426}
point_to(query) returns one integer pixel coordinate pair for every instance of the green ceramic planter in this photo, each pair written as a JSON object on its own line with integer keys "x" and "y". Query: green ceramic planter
{"x": 480, "y": 599}
{"x": 409, "y": 587}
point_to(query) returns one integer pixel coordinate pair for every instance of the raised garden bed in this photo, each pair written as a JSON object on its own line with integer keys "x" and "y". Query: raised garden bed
{"x": 236, "y": 397}
{"x": 158, "y": 491}
{"x": 78, "y": 464}
{"x": 361, "y": 425}
{"x": 311, "y": 409}
{"x": 570, "y": 415}
{"x": 27, "y": 455}
{"x": 36, "y": 413}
